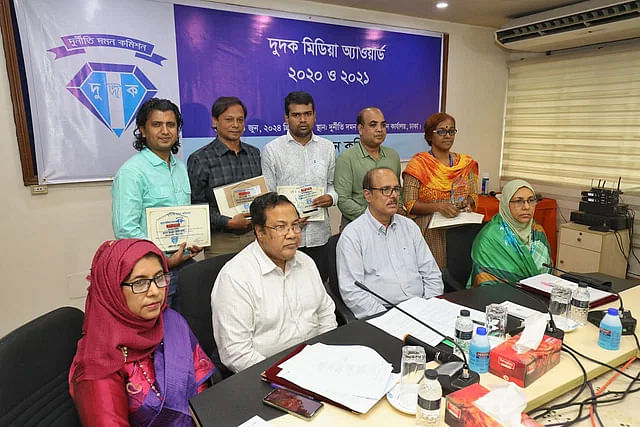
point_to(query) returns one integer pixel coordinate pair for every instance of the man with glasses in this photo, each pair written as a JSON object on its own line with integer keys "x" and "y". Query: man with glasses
{"x": 302, "y": 158}
{"x": 357, "y": 160}
{"x": 269, "y": 297}
{"x": 384, "y": 251}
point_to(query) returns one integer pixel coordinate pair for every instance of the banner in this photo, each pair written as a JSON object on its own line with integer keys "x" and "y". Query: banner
{"x": 90, "y": 65}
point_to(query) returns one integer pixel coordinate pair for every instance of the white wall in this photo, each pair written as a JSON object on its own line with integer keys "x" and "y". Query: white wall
{"x": 50, "y": 239}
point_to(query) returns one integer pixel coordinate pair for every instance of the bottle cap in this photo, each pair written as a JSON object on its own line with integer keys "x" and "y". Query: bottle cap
{"x": 612, "y": 311}
{"x": 431, "y": 374}
{"x": 481, "y": 330}
{"x": 465, "y": 313}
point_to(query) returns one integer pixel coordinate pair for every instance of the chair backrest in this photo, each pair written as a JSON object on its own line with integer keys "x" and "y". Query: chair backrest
{"x": 459, "y": 243}
{"x": 195, "y": 285}
{"x": 343, "y": 314}
{"x": 34, "y": 370}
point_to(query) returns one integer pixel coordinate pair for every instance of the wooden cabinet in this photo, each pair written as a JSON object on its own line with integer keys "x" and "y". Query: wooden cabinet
{"x": 586, "y": 251}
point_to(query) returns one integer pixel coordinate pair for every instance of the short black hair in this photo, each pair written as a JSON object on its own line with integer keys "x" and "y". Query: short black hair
{"x": 367, "y": 181}
{"x": 299, "y": 98}
{"x": 143, "y": 115}
{"x": 221, "y": 104}
{"x": 260, "y": 204}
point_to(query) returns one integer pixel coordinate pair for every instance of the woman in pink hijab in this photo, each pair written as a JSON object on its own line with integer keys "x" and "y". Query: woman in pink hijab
{"x": 120, "y": 373}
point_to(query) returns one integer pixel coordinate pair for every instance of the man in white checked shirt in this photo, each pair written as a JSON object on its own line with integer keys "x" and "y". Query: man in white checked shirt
{"x": 302, "y": 158}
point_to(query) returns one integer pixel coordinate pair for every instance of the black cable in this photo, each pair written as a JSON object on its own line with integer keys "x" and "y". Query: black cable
{"x": 598, "y": 362}
{"x": 619, "y": 241}
{"x": 582, "y": 387}
{"x": 595, "y": 404}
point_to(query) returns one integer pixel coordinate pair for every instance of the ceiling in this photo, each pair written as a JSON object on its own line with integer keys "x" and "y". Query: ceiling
{"x": 487, "y": 13}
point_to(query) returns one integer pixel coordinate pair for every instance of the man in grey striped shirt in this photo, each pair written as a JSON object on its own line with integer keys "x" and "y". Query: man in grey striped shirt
{"x": 302, "y": 158}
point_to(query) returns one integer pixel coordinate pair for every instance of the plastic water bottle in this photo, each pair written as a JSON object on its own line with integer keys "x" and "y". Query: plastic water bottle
{"x": 464, "y": 333}
{"x": 580, "y": 304}
{"x": 429, "y": 398}
{"x": 610, "y": 330}
{"x": 479, "y": 351}
{"x": 485, "y": 183}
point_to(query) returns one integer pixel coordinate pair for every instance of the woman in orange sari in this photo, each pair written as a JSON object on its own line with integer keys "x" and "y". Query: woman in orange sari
{"x": 439, "y": 180}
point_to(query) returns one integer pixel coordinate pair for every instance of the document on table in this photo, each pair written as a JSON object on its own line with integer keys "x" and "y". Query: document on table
{"x": 436, "y": 312}
{"x": 236, "y": 198}
{"x": 354, "y": 376}
{"x": 301, "y": 196}
{"x": 169, "y": 227}
{"x": 544, "y": 282}
{"x": 438, "y": 220}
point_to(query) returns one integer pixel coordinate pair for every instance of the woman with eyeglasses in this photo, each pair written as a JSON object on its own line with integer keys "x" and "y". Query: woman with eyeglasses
{"x": 137, "y": 362}
{"x": 439, "y": 180}
{"x": 512, "y": 246}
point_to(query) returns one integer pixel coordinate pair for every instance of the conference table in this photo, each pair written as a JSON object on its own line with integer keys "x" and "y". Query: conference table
{"x": 239, "y": 397}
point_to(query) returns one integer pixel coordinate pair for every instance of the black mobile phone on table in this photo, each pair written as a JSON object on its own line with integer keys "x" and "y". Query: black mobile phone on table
{"x": 293, "y": 403}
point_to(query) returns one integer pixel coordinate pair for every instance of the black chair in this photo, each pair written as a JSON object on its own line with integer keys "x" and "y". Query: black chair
{"x": 34, "y": 371}
{"x": 343, "y": 314}
{"x": 459, "y": 243}
{"x": 195, "y": 285}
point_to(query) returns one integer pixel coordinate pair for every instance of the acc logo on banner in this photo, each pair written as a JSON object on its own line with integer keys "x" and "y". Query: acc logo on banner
{"x": 111, "y": 92}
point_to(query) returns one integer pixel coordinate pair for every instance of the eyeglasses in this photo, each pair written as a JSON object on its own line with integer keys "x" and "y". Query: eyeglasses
{"x": 386, "y": 190}
{"x": 283, "y": 230}
{"x": 443, "y": 132}
{"x": 141, "y": 286}
{"x": 520, "y": 202}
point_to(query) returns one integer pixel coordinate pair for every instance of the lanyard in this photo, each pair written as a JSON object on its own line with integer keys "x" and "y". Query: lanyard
{"x": 450, "y": 158}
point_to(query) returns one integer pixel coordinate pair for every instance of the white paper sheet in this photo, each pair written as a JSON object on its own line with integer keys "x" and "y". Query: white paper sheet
{"x": 545, "y": 282}
{"x": 436, "y": 312}
{"x": 354, "y": 376}
{"x": 438, "y": 220}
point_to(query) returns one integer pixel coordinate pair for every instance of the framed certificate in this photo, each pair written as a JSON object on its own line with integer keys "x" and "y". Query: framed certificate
{"x": 301, "y": 196}
{"x": 236, "y": 198}
{"x": 169, "y": 227}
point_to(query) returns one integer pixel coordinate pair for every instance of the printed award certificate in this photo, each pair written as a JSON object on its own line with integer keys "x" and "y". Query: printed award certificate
{"x": 169, "y": 227}
{"x": 235, "y": 198}
{"x": 301, "y": 196}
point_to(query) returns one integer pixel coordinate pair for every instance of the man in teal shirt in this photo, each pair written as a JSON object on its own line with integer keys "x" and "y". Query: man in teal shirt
{"x": 354, "y": 163}
{"x": 152, "y": 178}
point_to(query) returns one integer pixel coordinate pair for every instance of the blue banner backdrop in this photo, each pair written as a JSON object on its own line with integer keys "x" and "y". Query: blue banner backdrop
{"x": 261, "y": 58}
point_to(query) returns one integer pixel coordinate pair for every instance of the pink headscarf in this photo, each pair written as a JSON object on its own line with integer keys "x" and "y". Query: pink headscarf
{"x": 108, "y": 322}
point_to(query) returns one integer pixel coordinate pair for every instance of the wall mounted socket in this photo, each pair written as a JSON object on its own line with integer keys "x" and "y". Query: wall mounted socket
{"x": 39, "y": 189}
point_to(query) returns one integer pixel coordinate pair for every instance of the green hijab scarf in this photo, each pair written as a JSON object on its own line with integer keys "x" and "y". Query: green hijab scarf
{"x": 523, "y": 231}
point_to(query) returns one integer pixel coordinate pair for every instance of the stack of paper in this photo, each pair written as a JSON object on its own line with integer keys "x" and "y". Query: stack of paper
{"x": 435, "y": 312}
{"x": 354, "y": 376}
{"x": 544, "y": 282}
{"x": 438, "y": 220}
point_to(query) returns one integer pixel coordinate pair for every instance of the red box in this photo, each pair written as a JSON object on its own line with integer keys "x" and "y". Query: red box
{"x": 523, "y": 369}
{"x": 461, "y": 412}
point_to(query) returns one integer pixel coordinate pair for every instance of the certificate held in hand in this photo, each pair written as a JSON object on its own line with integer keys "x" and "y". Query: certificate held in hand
{"x": 169, "y": 227}
{"x": 236, "y": 198}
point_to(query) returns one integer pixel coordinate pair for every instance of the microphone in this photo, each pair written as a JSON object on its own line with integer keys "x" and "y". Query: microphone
{"x": 432, "y": 352}
{"x": 552, "y": 329}
{"x": 603, "y": 285}
{"x": 453, "y": 375}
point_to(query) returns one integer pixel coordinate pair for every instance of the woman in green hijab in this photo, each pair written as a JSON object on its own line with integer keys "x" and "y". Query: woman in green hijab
{"x": 512, "y": 246}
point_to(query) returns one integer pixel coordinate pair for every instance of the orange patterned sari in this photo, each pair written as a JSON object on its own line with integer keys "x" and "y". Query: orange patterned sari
{"x": 428, "y": 180}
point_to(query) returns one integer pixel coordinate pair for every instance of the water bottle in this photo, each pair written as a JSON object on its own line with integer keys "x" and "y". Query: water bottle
{"x": 485, "y": 183}
{"x": 479, "y": 351}
{"x": 580, "y": 304}
{"x": 429, "y": 397}
{"x": 610, "y": 330}
{"x": 464, "y": 333}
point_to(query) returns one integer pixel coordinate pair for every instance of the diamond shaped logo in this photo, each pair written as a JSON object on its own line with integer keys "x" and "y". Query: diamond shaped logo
{"x": 112, "y": 92}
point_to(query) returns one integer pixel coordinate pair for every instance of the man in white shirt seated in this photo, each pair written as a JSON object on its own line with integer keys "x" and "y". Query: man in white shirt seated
{"x": 384, "y": 251}
{"x": 269, "y": 297}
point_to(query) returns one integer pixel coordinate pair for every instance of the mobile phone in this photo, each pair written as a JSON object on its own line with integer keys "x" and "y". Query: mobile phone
{"x": 293, "y": 403}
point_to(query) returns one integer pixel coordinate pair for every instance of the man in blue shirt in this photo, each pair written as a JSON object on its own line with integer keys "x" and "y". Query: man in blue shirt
{"x": 385, "y": 251}
{"x": 153, "y": 178}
